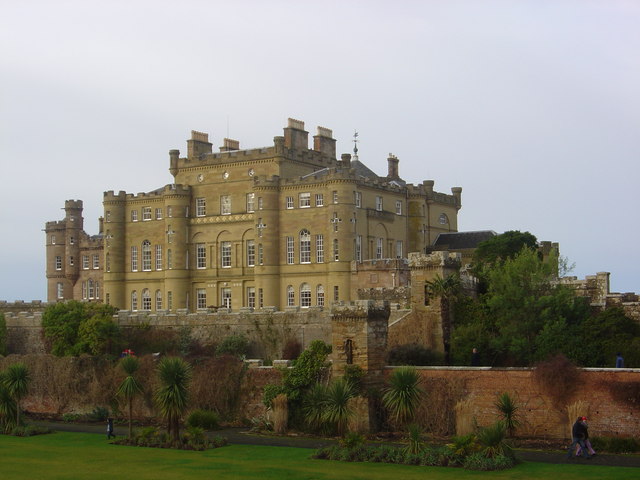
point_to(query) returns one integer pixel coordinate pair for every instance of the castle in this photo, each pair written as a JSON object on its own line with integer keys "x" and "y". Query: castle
{"x": 276, "y": 227}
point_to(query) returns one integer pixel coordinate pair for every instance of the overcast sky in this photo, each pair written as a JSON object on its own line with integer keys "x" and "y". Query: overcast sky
{"x": 532, "y": 107}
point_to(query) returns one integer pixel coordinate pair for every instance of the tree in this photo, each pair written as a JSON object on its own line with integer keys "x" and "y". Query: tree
{"x": 130, "y": 387}
{"x": 502, "y": 247}
{"x": 16, "y": 380}
{"x": 402, "y": 396}
{"x": 63, "y": 327}
{"x": 172, "y": 396}
{"x": 98, "y": 335}
{"x": 447, "y": 290}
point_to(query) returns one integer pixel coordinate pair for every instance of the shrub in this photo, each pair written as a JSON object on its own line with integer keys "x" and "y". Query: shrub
{"x": 414, "y": 354}
{"x": 492, "y": 441}
{"x": 479, "y": 461}
{"x": 237, "y": 345}
{"x": 99, "y": 414}
{"x": 508, "y": 409}
{"x": 291, "y": 350}
{"x": 616, "y": 444}
{"x": 352, "y": 440}
{"x": 558, "y": 377}
{"x": 205, "y": 419}
{"x": 29, "y": 430}
{"x": 261, "y": 424}
{"x": 70, "y": 417}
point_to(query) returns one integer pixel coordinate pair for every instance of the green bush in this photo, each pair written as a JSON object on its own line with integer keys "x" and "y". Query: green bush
{"x": 479, "y": 461}
{"x": 70, "y": 417}
{"x": 237, "y": 345}
{"x": 615, "y": 444}
{"x": 205, "y": 419}
{"x": 29, "y": 430}
{"x": 414, "y": 354}
{"x": 99, "y": 414}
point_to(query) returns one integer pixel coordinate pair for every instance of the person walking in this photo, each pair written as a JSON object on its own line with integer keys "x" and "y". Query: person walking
{"x": 587, "y": 442}
{"x": 475, "y": 358}
{"x": 578, "y": 432}
{"x": 110, "y": 428}
{"x": 619, "y": 360}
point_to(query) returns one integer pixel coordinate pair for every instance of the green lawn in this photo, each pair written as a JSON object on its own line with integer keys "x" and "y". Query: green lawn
{"x": 89, "y": 456}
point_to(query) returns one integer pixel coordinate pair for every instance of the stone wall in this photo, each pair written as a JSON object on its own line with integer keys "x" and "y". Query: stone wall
{"x": 541, "y": 416}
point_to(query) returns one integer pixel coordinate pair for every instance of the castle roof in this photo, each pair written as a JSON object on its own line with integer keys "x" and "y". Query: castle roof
{"x": 462, "y": 240}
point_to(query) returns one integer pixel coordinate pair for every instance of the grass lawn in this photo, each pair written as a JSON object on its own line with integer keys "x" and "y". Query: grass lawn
{"x": 89, "y": 456}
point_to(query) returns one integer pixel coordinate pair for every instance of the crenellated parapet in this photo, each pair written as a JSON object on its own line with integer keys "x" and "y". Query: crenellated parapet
{"x": 434, "y": 260}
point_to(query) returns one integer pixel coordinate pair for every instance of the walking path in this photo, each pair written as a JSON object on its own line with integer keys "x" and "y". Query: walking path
{"x": 242, "y": 437}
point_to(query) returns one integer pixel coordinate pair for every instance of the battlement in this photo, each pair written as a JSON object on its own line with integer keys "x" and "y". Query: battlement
{"x": 73, "y": 205}
{"x": 435, "y": 259}
{"x": 169, "y": 189}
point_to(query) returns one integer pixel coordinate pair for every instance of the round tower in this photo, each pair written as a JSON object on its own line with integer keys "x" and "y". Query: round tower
{"x": 114, "y": 248}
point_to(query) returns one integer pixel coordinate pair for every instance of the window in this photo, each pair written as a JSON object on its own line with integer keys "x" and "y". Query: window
{"x": 225, "y": 205}
{"x": 146, "y": 213}
{"x": 379, "y": 244}
{"x": 379, "y": 204}
{"x": 72, "y": 240}
{"x": 305, "y": 246}
{"x": 158, "y": 257}
{"x": 320, "y": 296}
{"x": 58, "y": 262}
{"x": 319, "y": 200}
{"x": 226, "y": 254}
{"x": 336, "y": 293}
{"x": 169, "y": 259}
{"x": 169, "y": 211}
{"x": 260, "y": 298}
{"x": 259, "y": 203}
{"x": 335, "y": 221}
{"x": 320, "y": 248}
{"x": 251, "y": 200}
{"x": 146, "y": 256}
{"x": 399, "y": 249}
{"x": 60, "y": 290}
{"x": 107, "y": 261}
{"x": 85, "y": 262}
{"x": 71, "y": 261}
{"x": 357, "y": 199}
{"x": 158, "y": 300}
{"x": 107, "y": 299}
{"x": 201, "y": 255}
{"x": 335, "y": 196}
{"x": 289, "y": 202}
{"x": 226, "y": 297}
{"x": 96, "y": 261}
{"x": 290, "y": 250}
{"x": 53, "y": 239}
{"x": 134, "y": 301}
{"x": 134, "y": 259}
{"x": 158, "y": 214}
{"x": 260, "y": 255}
{"x": 398, "y": 207}
{"x": 443, "y": 219}
{"x": 134, "y": 215}
{"x": 336, "y": 250}
{"x": 251, "y": 297}
{"x": 291, "y": 296}
{"x": 84, "y": 290}
{"x": 97, "y": 290}
{"x": 304, "y": 200}
{"x": 251, "y": 253}
{"x": 91, "y": 290}
{"x": 107, "y": 215}
{"x": 169, "y": 300}
{"x": 201, "y": 207}
{"x": 305, "y": 295}
{"x": 146, "y": 299}
{"x": 359, "y": 248}
{"x": 201, "y": 298}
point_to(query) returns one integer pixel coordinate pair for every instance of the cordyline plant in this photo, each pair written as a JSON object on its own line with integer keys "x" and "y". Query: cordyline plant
{"x": 16, "y": 380}
{"x": 403, "y": 394}
{"x": 130, "y": 387}
{"x": 172, "y": 397}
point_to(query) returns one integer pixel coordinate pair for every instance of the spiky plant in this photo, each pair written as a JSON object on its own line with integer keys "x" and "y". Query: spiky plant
{"x": 337, "y": 409}
{"x": 16, "y": 380}
{"x": 8, "y": 406}
{"x": 402, "y": 396}
{"x": 416, "y": 442}
{"x": 313, "y": 407}
{"x": 492, "y": 441}
{"x": 130, "y": 387}
{"x": 172, "y": 396}
{"x": 508, "y": 409}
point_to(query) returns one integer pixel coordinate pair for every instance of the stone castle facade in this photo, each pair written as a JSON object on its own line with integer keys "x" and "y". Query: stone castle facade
{"x": 285, "y": 226}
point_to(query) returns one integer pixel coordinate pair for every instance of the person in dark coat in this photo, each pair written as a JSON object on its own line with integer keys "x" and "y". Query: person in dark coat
{"x": 110, "y": 429}
{"x": 587, "y": 442}
{"x": 579, "y": 433}
{"x": 475, "y": 358}
{"x": 619, "y": 360}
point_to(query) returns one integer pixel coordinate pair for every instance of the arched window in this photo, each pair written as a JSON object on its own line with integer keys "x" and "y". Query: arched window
{"x": 134, "y": 301}
{"x": 91, "y": 293}
{"x": 305, "y": 295}
{"x": 97, "y": 289}
{"x": 291, "y": 296}
{"x": 158, "y": 300}
{"x": 108, "y": 262}
{"x": 146, "y": 256}
{"x": 305, "y": 246}
{"x": 320, "y": 296}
